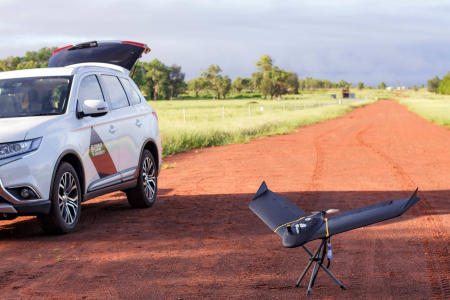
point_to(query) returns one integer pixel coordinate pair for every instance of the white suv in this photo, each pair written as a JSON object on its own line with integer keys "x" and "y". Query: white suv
{"x": 74, "y": 131}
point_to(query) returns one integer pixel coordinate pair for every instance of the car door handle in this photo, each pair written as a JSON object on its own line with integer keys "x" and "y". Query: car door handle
{"x": 138, "y": 123}
{"x": 112, "y": 129}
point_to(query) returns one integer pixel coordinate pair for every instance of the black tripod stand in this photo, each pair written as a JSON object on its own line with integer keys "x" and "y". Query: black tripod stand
{"x": 319, "y": 264}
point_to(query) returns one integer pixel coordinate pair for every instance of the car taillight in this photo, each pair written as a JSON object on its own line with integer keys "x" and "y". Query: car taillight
{"x": 156, "y": 116}
{"x": 61, "y": 49}
{"x": 134, "y": 43}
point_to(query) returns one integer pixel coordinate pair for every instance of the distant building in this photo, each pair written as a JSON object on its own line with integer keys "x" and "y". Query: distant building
{"x": 389, "y": 88}
{"x": 345, "y": 94}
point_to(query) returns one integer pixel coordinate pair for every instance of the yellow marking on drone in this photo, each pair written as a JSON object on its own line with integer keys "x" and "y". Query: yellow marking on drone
{"x": 288, "y": 223}
{"x": 326, "y": 225}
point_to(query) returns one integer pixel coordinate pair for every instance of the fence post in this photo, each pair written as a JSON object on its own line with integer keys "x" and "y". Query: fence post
{"x": 184, "y": 115}
{"x": 223, "y": 113}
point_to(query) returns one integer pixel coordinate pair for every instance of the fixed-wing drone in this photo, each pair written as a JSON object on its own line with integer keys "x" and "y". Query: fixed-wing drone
{"x": 296, "y": 228}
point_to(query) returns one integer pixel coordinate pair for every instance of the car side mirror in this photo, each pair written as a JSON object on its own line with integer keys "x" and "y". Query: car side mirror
{"x": 94, "y": 108}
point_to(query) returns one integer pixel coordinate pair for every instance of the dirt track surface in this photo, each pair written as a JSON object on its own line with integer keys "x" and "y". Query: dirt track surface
{"x": 200, "y": 239}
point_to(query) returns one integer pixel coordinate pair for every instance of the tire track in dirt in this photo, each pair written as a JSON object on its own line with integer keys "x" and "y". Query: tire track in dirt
{"x": 438, "y": 260}
{"x": 317, "y": 173}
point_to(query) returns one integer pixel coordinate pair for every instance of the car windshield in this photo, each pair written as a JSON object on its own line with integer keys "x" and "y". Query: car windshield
{"x": 35, "y": 96}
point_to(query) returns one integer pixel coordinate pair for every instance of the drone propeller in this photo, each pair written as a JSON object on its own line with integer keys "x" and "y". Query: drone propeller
{"x": 330, "y": 211}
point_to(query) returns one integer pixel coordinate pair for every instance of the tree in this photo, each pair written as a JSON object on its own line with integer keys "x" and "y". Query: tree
{"x": 31, "y": 60}
{"x": 433, "y": 84}
{"x": 360, "y": 85}
{"x": 9, "y": 64}
{"x": 256, "y": 81}
{"x": 265, "y": 64}
{"x": 138, "y": 77}
{"x": 238, "y": 84}
{"x": 176, "y": 80}
{"x": 157, "y": 75}
{"x": 444, "y": 86}
{"x": 212, "y": 75}
{"x": 285, "y": 82}
{"x": 40, "y": 57}
{"x": 223, "y": 85}
{"x": 382, "y": 86}
{"x": 343, "y": 84}
{"x": 246, "y": 83}
{"x": 197, "y": 84}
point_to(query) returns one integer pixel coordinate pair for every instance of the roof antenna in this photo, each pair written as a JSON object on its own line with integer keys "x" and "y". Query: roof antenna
{"x": 134, "y": 71}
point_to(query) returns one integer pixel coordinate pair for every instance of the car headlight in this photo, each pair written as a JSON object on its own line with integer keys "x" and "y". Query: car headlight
{"x": 17, "y": 148}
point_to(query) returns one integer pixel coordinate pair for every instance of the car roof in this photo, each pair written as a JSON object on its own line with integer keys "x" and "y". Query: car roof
{"x": 64, "y": 71}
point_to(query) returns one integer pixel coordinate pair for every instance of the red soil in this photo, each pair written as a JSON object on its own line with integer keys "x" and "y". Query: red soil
{"x": 200, "y": 239}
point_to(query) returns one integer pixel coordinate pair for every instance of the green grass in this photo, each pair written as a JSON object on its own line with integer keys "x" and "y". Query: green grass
{"x": 206, "y": 127}
{"x": 433, "y": 107}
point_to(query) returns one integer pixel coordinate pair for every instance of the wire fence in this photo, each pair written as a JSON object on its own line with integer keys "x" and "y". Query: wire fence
{"x": 273, "y": 108}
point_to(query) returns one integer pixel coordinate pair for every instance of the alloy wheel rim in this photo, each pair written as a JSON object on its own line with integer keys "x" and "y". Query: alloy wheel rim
{"x": 149, "y": 178}
{"x": 68, "y": 198}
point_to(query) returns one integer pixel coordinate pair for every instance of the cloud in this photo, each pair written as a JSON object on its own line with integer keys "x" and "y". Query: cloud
{"x": 369, "y": 41}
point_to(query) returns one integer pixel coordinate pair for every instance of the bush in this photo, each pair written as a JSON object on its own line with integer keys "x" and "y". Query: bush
{"x": 433, "y": 84}
{"x": 444, "y": 86}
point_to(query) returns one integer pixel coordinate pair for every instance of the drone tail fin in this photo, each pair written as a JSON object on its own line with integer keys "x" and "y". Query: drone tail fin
{"x": 413, "y": 200}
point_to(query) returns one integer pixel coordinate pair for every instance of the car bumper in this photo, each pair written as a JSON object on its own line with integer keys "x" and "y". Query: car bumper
{"x": 31, "y": 209}
{"x": 11, "y": 205}
{"x": 32, "y": 170}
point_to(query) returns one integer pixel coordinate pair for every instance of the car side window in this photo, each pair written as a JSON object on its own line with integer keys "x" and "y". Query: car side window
{"x": 89, "y": 90}
{"x": 133, "y": 96}
{"x": 116, "y": 93}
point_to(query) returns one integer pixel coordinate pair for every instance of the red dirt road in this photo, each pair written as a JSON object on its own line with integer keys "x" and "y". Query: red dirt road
{"x": 200, "y": 240}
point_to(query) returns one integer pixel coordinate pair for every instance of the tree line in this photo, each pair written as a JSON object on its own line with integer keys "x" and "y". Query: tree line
{"x": 440, "y": 86}
{"x": 159, "y": 81}
{"x": 31, "y": 60}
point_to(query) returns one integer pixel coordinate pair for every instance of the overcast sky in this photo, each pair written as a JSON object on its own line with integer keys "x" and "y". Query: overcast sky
{"x": 368, "y": 41}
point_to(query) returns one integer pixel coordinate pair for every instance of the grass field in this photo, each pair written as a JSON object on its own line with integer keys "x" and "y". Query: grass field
{"x": 221, "y": 122}
{"x": 435, "y": 108}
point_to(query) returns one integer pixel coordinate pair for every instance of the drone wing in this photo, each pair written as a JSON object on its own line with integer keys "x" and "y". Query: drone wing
{"x": 364, "y": 216}
{"x": 274, "y": 210}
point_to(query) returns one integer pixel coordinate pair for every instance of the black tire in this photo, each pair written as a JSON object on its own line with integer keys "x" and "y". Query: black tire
{"x": 144, "y": 194}
{"x": 65, "y": 208}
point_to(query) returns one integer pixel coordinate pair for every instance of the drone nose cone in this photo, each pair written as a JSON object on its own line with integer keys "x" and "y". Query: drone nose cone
{"x": 292, "y": 239}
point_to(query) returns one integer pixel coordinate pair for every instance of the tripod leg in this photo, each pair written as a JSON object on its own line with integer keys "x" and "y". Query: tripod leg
{"x": 327, "y": 271}
{"x": 334, "y": 278}
{"x": 310, "y": 261}
{"x": 304, "y": 272}
{"x": 313, "y": 275}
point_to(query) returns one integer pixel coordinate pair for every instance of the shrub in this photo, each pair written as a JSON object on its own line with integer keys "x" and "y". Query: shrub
{"x": 444, "y": 86}
{"x": 433, "y": 84}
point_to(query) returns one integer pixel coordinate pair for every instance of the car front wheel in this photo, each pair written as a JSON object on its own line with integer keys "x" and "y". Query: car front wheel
{"x": 65, "y": 202}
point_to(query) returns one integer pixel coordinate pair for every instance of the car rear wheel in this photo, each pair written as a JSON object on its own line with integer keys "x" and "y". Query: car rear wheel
{"x": 144, "y": 194}
{"x": 66, "y": 202}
